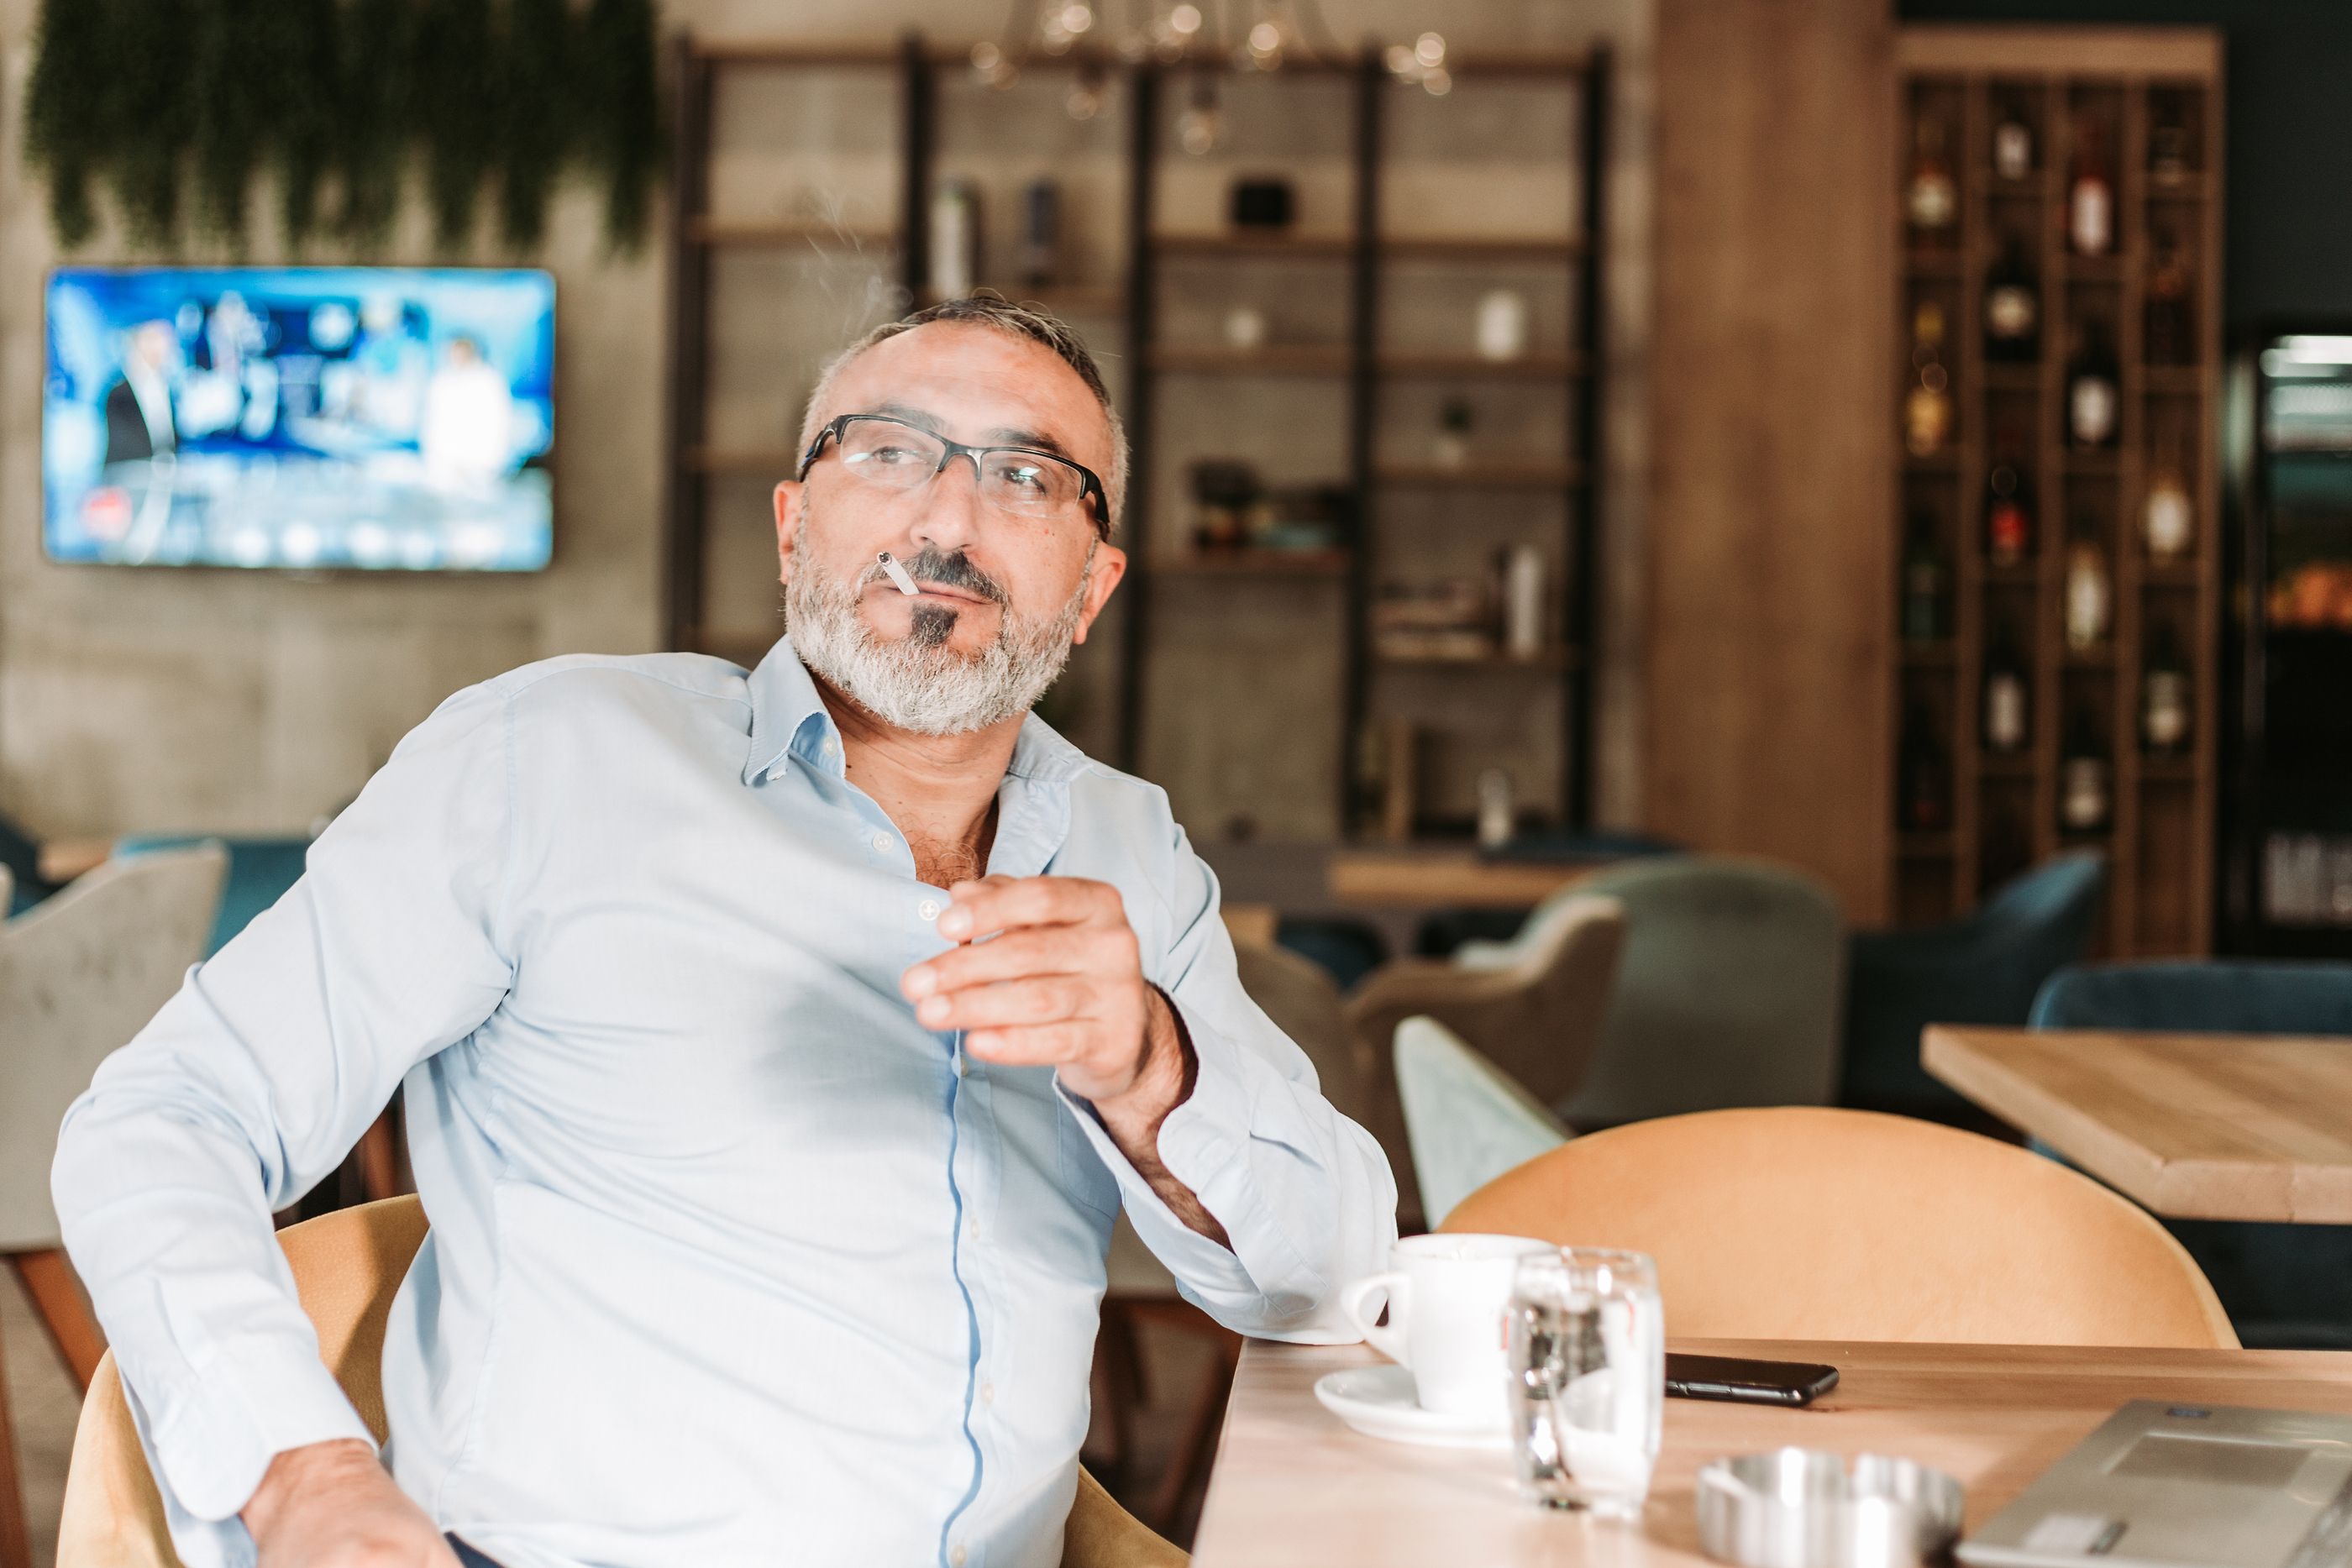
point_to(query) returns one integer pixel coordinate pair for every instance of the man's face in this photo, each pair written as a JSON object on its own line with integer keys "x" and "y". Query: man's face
{"x": 993, "y": 581}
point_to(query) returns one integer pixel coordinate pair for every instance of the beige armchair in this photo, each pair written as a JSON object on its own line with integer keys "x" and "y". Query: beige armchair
{"x": 1534, "y": 1007}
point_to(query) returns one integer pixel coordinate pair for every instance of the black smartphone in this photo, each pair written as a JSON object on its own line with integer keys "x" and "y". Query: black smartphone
{"x": 1747, "y": 1382}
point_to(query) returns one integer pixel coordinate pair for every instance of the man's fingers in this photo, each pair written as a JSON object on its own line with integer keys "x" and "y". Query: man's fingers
{"x": 1034, "y": 950}
{"x": 1003, "y": 902}
{"x": 1031, "y": 1045}
{"x": 1039, "y": 1000}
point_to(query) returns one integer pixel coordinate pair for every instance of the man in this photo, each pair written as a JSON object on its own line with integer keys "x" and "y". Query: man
{"x": 139, "y": 422}
{"x": 771, "y": 1147}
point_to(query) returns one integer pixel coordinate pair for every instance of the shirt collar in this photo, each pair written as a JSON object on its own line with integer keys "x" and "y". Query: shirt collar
{"x": 787, "y": 712}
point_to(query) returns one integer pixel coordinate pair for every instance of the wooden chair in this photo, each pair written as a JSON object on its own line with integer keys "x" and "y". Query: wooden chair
{"x": 346, "y": 1266}
{"x": 80, "y": 973}
{"x": 1802, "y": 1222}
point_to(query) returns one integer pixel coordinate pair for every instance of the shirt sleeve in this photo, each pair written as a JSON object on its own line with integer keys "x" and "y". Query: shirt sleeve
{"x": 251, "y": 1084}
{"x": 1305, "y": 1194}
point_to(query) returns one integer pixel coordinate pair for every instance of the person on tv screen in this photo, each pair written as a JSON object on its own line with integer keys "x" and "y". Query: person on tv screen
{"x": 468, "y": 437}
{"x": 777, "y": 1046}
{"x": 139, "y": 420}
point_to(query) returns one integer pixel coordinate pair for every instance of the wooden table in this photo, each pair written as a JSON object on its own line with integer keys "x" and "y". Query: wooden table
{"x": 2192, "y": 1126}
{"x": 1293, "y": 1486}
{"x": 1448, "y": 879}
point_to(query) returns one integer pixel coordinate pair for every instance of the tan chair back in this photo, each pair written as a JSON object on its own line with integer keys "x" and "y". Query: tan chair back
{"x": 346, "y": 1266}
{"x": 1298, "y": 995}
{"x": 80, "y": 973}
{"x": 1802, "y": 1222}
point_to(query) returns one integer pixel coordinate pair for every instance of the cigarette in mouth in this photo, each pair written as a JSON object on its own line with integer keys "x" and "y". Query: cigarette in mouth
{"x": 896, "y": 573}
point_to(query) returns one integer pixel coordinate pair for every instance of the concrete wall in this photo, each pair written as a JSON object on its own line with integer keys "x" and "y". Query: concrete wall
{"x": 183, "y": 699}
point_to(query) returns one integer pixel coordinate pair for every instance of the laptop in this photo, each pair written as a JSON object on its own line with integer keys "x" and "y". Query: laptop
{"x": 2185, "y": 1486}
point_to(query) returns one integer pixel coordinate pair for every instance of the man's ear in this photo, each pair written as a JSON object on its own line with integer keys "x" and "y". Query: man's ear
{"x": 1110, "y": 566}
{"x": 788, "y": 522}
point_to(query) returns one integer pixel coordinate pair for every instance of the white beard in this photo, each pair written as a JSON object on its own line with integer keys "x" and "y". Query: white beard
{"x": 919, "y": 684}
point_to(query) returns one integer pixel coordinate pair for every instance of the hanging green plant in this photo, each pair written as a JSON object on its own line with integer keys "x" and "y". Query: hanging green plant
{"x": 232, "y": 108}
{"x": 455, "y": 100}
{"x": 302, "y": 61}
{"x": 148, "y": 107}
{"x": 535, "y": 110}
{"x": 619, "y": 113}
{"x": 373, "y": 114}
{"x": 63, "y": 136}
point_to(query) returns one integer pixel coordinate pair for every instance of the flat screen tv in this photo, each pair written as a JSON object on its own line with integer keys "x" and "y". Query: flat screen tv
{"x": 309, "y": 418}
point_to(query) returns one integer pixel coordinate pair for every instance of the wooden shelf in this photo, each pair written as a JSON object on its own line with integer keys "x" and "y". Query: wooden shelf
{"x": 1478, "y": 476}
{"x": 2169, "y": 770}
{"x": 1242, "y": 243}
{"x": 1551, "y": 660}
{"x": 1280, "y": 359}
{"x": 1473, "y": 367}
{"x": 1256, "y": 563}
{"x": 1480, "y": 248}
{"x": 756, "y": 233}
{"x": 837, "y": 53}
{"x": 1930, "y": 655}
{"x": 2173, "y": 381}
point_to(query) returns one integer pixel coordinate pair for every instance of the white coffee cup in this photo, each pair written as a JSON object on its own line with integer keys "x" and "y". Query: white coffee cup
{"x": 1447, "y": 1296}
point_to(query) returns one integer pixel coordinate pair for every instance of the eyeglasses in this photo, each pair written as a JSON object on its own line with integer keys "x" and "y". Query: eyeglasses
{"x": 891, "y": 454}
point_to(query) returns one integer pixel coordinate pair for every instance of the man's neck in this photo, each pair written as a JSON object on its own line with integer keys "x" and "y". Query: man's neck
{"x": 940, "y": 790}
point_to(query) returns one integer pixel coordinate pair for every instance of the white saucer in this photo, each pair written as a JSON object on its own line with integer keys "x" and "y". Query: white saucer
{"x": 1378, "y": 1402}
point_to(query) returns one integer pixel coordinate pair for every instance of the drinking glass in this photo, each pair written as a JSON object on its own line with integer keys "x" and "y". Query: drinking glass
{"x": 1587, "y": 1344}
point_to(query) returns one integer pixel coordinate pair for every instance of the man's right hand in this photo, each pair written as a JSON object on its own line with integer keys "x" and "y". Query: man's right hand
{"x": 334, "y": 1505}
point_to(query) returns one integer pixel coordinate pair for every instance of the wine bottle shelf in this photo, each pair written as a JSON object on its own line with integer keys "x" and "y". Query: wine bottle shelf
{"x": 2017, "y": 327}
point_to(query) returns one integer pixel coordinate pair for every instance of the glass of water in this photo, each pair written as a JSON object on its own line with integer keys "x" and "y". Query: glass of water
{"x": 1588, "y": 1377}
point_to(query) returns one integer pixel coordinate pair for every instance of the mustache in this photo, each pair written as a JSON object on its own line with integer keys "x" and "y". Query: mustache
{"x": 948, "y": 568}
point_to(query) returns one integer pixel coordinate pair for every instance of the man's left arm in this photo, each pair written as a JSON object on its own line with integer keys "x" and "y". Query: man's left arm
{"x": 1260, "y": 1197}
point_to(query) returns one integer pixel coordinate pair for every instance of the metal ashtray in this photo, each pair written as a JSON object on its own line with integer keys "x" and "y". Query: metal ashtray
{"x": 1801, "y": 1507}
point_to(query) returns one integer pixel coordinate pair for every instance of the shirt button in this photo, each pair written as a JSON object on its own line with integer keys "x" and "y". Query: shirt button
{"x": 882, "y": 842}
{"x": 928, "y": 909}
{"x": 988, "y": 1393}
{"x": 971, "y": 1228}
{"x": 956, "y": 1556}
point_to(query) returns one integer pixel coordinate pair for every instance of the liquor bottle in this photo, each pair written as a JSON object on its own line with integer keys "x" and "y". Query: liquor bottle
{"x": 2168, "y": 313}
{"x": 1924, "y": 775}
{"x": 1928, "y": 407}
{"x": 2167, "y": 519}
{"x": 2164, "y": 697}
{"x": 2091, "y": 196}
{"x": 955, "y": 239}
{"x": 2006, "y": 729}
{"x": 2009, "y": 508}
{"x": 1040, "y": 234}
{"x": 1931, "y": 199}
{"x": 2167, "y": 143}
{"x": 2084, "y": 796}
{"x": 1923, "y": 581}
{"x": 2012, "y": 309}
{"x": 2089, "y": 600}
{"x": 2012, "y": 145}
{"x": 2092, "y": 395}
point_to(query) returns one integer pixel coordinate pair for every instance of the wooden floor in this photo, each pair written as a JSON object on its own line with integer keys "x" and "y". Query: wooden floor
{"x": 42, "y": 1399}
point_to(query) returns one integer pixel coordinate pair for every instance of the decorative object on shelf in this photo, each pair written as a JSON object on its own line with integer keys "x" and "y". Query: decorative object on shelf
{"x": 2168, "y": 313}
{"x": 1449, "y": 448}
{"x": 1422, "y": 63}
{"x": 2089, "y": 603}
{"x": 2093, "y": 401}
{"x": 1498, "y": 819}
{"x": 1523, "y": 577}
{"x": 1224, "y": 489}
{"x": 1923, "y": 581}
{"x": 2012, "y": 144}
{"x": 1040, "y": 234}
{"x": 1202, "y": 127}
{"x": 1263, "y": 202}
{"x": 2168, "y": 141}
{"x": 1453, "y": 618}
{"x": 2091, "y": 197}
{"x": 2086, "y": 787}
{"x": 1085, "y": 99}
{"x": 2167, "y": 519}
{"x": 1931, "y": 200}
{"x": 2006, "y": 704}
{"x": 2012, "y": 307}
{"x": 1923, "y": 770}
{"x": 2009, "y": 514}
{"x": 155, "y": 99}
{"x": 2164, "y": 695}
{"x": 1502, "y": 331}
{"x": 1927, "y": 406}
{"x": 1245, "y": 328}
{"x": 955, "y": 239}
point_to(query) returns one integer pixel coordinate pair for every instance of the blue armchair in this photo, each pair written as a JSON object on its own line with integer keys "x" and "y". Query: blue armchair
{"x": 1983, "y": 970}
{"x": 2284, "y": 1286}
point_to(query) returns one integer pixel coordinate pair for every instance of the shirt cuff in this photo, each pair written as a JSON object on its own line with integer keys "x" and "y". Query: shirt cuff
{"x": 209, "y": 1444}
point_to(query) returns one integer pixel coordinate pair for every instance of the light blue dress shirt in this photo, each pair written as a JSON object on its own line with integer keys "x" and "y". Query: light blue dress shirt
{"x": 733, "y": 1261}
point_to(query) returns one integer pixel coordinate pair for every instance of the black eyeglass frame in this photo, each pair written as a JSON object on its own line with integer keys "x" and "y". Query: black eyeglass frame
{"x": 1090, "y": 486}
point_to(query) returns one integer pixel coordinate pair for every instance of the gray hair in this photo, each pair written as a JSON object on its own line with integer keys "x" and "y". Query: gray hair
{"x": 989, "y": 309}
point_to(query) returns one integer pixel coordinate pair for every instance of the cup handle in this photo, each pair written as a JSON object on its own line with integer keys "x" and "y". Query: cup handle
{"x": 1387, "y": 1340}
